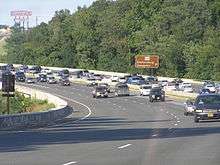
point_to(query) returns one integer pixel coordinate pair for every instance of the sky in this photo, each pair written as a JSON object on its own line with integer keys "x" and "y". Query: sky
{"x": 42, "y": 9}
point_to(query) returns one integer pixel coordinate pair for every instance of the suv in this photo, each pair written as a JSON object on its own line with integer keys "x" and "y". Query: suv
{"x": 100, "y": 91}
{"x": 206, "y": 106}
{"x": 156, "y": 94}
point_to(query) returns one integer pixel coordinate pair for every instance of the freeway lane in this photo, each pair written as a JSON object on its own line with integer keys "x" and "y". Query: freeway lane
{"x": 122, "y": 131}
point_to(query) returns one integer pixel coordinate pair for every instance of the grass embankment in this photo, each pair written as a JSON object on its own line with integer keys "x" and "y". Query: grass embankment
{"x": 22, "y": 104}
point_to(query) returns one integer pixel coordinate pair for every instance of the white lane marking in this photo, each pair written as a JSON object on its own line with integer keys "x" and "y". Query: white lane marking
{"x": 124, "y": 146}
{"x": 141, "y": 103}
{"x": 77, "y": 102}
{"x": 175, "y": 124}
{"x": 178, "y": 121}
{"x": 167, "y": 112}
{"x": 155, "y": 135}
{"x": 69, "y": 163}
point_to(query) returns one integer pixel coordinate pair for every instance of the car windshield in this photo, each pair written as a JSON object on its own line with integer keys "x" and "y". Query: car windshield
{"x": 100, "y": 89}
{"x": 146, "y": 87}
{"x": 207, "y": 100}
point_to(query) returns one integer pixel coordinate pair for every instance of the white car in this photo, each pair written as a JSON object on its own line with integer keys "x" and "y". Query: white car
{"x": 46, "y": 71}
{"x": 210, "y": 87}
{"x": 145, "y": 90}
{"x": 163, "y": 83}
{"x": 182, "y": 85}
{"x": 187, "y": 88}
{"x": 115, "y": 78}
{"x": 122, "y": 80}
{"x": 170, "y": 87}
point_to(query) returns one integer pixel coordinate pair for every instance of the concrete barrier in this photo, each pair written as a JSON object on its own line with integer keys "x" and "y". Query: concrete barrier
{"x": 29, "y": 120}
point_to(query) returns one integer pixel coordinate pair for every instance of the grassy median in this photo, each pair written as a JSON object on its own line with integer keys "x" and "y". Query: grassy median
{"x": 22, "y": 104}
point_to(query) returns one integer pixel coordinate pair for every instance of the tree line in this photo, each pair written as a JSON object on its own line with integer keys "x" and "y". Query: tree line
{"x": 106, "y": 35}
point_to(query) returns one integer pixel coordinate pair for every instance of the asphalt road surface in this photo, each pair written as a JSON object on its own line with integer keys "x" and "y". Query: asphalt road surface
{"x": 114, "y": 131}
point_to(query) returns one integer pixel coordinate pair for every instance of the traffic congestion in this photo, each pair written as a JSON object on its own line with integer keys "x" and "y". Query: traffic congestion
{"x": 205, "y": 106}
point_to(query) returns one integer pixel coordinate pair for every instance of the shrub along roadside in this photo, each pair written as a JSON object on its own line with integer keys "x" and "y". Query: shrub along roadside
{"x": 22, "y": 104}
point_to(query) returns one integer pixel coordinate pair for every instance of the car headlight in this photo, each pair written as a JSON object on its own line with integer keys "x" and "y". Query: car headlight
{"x": 198, "y": 110}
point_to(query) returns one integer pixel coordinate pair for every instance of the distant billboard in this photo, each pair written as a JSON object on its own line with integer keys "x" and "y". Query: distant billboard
{"x": 142, "y": 61}
{"x": 21, "y": 13}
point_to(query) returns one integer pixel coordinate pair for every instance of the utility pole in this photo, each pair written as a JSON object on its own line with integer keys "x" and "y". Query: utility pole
{"x": 36, "y": 21}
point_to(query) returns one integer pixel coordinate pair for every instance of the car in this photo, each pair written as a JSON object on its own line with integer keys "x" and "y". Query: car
{"x": 105, "y": 85}
{"x": 121, "y": 89}
{"x": 151, "y": 79}
{"x": 51, "y": 80}
{"x": 42, "y": 78}
{"x": 156, "y": 94}
{"x": 20, "y": 76}
{"x": 217, "y": 86}
{"x": 188, "y": 107}
{"x": 92, "y": 84}
{"x": 186, "y": 87}
{"x": 30, "y": 80}
{"x": 64, "y": 73}
{"x": 100, "y": 91}
{"x": 136, "y": 80}
{"x": 115, "y": 78}
{"x": 211, "y": 87}
{"x": 145, "y": 90}
{"x": 122, "y": 80}
{"x": 170, "y": 87}
{"x": 204, "y": 91}
{"x": 206, "y": 107}
{"x": 64, "y": 81}
{"x": 163, "y": 83}
{"x": 46, "y": 71}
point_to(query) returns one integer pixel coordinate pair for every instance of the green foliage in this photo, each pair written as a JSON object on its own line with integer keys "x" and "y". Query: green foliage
{"x": 21, "y": 104}
{"x": 184, "y": 33}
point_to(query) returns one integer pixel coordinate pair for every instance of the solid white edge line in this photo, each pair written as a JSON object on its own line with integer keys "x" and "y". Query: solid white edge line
{"x": 69, "y": 163}
{"x": 124, "y": 146}
{"x": 77, "y": 102}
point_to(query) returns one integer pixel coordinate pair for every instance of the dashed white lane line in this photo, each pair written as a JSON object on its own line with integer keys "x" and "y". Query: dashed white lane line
{"x": 124, "y": 146}
{"x": 175, "y": 124}
{"x": 155, "y": 135}
{"x": 178, "y": 121}
{"x": 69, "y": 163}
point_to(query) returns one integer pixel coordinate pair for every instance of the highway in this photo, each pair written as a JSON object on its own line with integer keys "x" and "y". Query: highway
{"x": 114, "y": 131}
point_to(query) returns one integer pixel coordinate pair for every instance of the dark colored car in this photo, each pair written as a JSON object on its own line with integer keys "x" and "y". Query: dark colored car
{"x": 157, "y": 94}
{"x": 204, "y": 91}
{"x": 64, "y": 81}
{"x": 64, "y": 73}
{"x": 206, "y": 107}
{"x": 105, "y": 85}
{"x": 100, "y": 91}
{"x": 20, "y": 77}
{"x": 42, "y": 78}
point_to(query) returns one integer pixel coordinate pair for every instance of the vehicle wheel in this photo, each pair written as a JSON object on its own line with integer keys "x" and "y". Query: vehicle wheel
{"x": 186, "y": 113}
{"x": 196, "y": 120}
